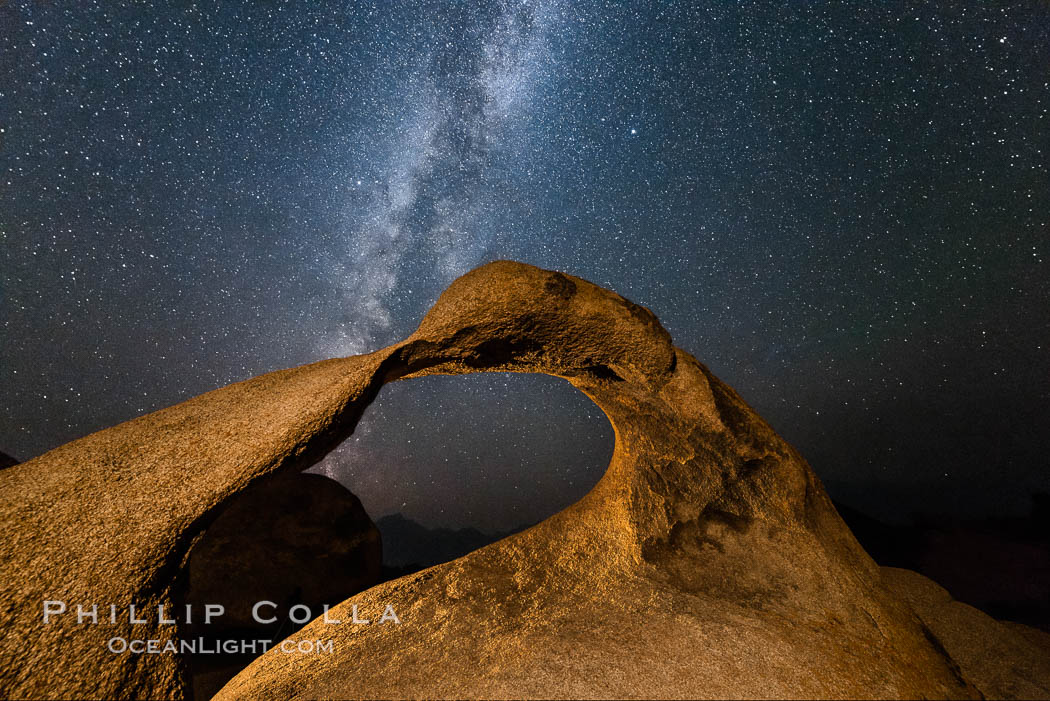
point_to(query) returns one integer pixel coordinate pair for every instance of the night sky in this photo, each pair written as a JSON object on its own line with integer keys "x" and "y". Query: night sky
{"x": 842, "y": 208}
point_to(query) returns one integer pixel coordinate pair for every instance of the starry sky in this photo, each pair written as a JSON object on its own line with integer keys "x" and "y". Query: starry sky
{"x": 842, "y": 208}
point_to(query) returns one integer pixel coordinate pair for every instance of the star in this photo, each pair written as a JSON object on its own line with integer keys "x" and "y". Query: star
{"x": 183, "y": 206}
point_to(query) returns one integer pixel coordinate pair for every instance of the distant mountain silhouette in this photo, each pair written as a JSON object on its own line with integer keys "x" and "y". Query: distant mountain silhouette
{"x": 409, "y": 546}
{"x": 7, "y": 461}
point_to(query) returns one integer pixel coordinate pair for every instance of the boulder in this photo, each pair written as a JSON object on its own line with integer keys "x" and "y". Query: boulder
{"x": 299, "y": 539}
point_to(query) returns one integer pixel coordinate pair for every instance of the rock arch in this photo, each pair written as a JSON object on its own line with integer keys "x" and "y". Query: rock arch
{"x": 707, "y": 561}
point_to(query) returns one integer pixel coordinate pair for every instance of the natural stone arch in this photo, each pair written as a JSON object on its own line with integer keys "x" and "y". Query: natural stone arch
{"x": 708, "y": 545}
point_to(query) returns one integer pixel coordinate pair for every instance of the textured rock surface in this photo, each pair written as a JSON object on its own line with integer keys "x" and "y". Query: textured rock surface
{"x": 111, "y": 519}
{"x": 708, "y": 561}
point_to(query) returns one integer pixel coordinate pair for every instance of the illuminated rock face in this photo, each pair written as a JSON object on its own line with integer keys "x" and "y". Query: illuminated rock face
{"x": 708, "y": 561}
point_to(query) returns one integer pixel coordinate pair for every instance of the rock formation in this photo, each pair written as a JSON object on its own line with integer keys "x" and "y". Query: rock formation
{"x": 298, "y": 539}
{"x": 707, "y": 562}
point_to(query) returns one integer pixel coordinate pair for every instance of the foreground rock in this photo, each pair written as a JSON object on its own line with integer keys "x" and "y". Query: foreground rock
{"x": 707, "y": 562}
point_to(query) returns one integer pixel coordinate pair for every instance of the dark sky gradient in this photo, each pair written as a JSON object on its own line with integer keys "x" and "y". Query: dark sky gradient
{"x": 842, "y": 208}
{"x": 494, "y": 451}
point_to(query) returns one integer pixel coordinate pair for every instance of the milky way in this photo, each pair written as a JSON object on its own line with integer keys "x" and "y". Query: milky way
{"x": 842, "y": 208}
{"x": 429, "y": 211}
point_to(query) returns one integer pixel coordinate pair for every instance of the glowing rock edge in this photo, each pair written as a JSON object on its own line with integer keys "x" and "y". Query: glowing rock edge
{"x": 707, "y": 562}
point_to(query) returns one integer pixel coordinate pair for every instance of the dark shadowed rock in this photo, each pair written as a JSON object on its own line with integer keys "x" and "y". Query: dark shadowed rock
{"x": 7, "y": 461}
{"x": 297, "y": 539}
{"x": 707, "y": 562}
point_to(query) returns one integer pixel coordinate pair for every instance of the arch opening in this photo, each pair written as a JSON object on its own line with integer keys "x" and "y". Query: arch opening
{"x": 451, "y": 463}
